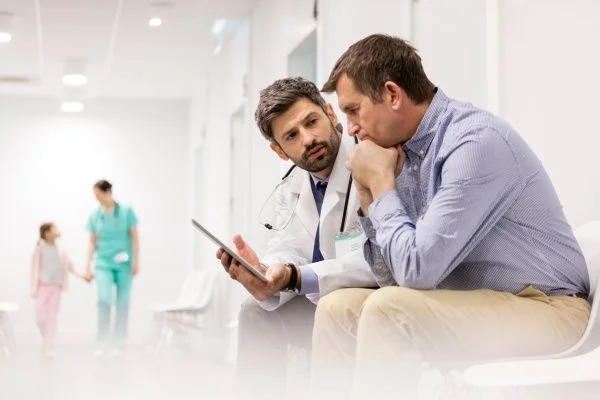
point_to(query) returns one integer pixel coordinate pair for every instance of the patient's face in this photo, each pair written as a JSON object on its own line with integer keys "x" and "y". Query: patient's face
{"x": 369, "y": 120}
{"x": 306, "y": 135}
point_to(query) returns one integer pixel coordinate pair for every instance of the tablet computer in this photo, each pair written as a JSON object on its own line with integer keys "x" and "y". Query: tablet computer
{"x": 232, "y": 253}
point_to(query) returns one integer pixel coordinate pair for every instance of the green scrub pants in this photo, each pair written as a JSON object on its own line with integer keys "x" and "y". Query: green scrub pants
{"x": 108, "y": 278}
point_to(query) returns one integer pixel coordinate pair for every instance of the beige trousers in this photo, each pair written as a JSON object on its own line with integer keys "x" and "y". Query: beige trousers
{"x": 374, "y": 341}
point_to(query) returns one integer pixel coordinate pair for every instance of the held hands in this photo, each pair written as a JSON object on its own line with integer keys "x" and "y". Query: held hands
{"x": 374, "y": 168}
{"x": 88, "y": 275}
{"x": 277, "y": 275}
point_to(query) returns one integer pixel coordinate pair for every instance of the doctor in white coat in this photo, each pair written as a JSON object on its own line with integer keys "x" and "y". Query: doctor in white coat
{"x": 318, "y": 247}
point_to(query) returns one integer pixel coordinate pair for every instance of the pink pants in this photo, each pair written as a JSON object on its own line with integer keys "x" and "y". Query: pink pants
{"x": 47, "y": 302}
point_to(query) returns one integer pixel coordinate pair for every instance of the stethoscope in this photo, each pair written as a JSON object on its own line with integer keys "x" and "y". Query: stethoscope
{"x": 339, "y": 128}
{"x": 115, "y": 214}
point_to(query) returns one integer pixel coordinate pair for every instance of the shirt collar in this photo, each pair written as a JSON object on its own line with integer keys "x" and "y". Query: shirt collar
{"x": 317, "y": 180}
{"x": 114, "y": 212}
{"x": 426, "y": 130}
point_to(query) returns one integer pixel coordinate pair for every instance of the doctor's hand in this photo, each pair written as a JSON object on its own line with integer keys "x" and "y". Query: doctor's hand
{"x": 278, "y": 276}
{"x": 242, "y": 249}
{"x": 135, "y": 268}
{"x": 375, "y": 167}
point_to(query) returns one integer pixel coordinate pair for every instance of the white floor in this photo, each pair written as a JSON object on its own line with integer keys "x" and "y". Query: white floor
{"x": 75, "y": 373}
{"x": 179, "y": 373}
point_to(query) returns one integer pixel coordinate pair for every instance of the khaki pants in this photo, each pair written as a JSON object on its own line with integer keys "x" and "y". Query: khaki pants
{"x": 374, "y": 341}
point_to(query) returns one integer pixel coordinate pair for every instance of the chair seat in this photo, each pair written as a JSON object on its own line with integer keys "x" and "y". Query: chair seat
{"x": 535, "y": 372}
{"x": 180, "y": 308}
{"x": 575, "y": 365}
{"x": 8, "y": 307}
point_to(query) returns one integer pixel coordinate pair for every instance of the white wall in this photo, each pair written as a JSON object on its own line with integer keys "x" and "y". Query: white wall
{"x": 48, "y": 164}
{"x": 276, "y": 28}
{"x": 341, "y": 23}
{"x": 531, "y": 62}
{"x": 549, "y": 92}
{"x": 215, "y": 101}
{"x": 451, "y": 39}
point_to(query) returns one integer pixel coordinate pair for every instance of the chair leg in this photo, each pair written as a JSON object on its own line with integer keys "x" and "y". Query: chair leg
{"x": 159, "y": 342}
{"x": 8, "y": 332}
{"x": 7, "y": 338}
{"x": 4, "y": 349}
{"x": 163, "y": 339}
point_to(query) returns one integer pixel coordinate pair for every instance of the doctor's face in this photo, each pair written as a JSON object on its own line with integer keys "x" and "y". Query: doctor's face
{"x": 306, "y": 135}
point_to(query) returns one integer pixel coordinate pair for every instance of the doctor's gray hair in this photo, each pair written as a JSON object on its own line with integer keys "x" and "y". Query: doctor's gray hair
{"x": 278, "y": 97}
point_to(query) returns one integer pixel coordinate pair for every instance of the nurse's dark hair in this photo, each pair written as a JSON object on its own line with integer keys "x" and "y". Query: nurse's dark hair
{"x": 103, "y": 186}
{"x": 44, "y": 228}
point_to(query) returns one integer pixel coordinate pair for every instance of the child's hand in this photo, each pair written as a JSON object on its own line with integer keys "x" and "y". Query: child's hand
{"x": 88, "y": 276}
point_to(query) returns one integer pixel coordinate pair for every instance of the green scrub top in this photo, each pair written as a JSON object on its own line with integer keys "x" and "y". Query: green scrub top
{"x": 112, "y": 236}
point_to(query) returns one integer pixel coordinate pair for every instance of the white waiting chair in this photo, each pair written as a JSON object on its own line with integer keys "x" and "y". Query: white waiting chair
{"x": 184, "y": 315}
{"x": 7, "y": 340}
{"x": 581, "y": 363}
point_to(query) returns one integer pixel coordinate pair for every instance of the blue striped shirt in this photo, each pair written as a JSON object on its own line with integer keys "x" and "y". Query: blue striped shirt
{"x": 473, "y": 208}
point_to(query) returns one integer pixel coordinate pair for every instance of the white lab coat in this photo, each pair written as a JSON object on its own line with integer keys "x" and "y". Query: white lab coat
{"x": 295, "y": 243}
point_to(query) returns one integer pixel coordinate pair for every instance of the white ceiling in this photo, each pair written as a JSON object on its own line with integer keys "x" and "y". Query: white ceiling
{"x": 125, "y": 57}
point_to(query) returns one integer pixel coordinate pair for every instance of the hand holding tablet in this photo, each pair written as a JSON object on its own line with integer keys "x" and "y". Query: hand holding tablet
{"x": 230, "y": 252}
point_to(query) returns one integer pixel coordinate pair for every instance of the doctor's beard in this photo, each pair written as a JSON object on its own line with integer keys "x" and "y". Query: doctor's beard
{"x": 326, "y": 160}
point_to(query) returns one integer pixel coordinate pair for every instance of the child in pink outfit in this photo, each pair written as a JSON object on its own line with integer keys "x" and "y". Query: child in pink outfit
{"x": 50, "y": 268}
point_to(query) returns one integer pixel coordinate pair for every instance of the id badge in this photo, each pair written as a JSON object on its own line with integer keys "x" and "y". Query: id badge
{"x": 347, "y": 242}
{"x": 121, "y": 257}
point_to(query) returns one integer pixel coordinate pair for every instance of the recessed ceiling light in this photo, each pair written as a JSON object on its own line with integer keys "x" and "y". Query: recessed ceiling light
{"x": 162, "y": 3}
{"x": 71, "y": 106}
{"x": 5, "y": 37}
{"x": 6, "y": 25}
{"x": 155, "y": 22}
{"x": 74, "y": 79}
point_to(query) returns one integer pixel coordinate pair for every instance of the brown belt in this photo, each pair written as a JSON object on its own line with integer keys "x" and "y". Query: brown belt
{"x": 579, "y": 295}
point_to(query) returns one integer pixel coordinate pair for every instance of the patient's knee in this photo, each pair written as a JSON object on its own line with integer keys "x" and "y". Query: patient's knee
{"x": 394, "y": 304}
{"x": 340, "y": 307}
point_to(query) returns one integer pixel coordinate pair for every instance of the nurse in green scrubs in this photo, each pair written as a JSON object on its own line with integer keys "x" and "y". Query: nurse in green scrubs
{"x": 114, "y": 251}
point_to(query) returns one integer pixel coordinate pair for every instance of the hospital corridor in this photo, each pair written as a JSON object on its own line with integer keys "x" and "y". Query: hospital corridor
{"x": 299, "y": 199}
